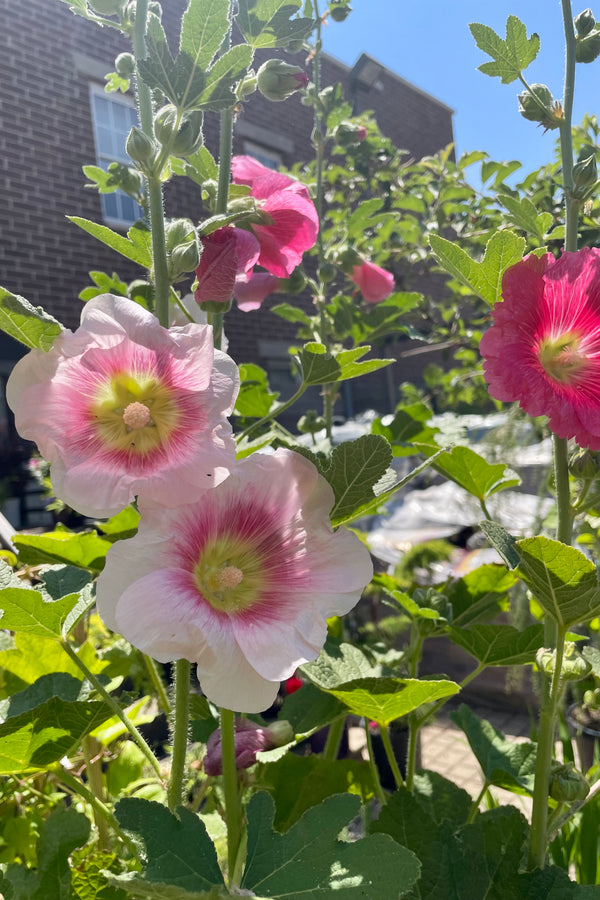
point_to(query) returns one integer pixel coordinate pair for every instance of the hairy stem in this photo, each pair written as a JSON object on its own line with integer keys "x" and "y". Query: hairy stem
{"x": 391, "y": 756}
{"x": 181, "y": 717}
{"x": 233, "y": 808}
{"x": 373, "y": 766}
{"x": 334, "y": 739}
{"x": 163, "y": 698}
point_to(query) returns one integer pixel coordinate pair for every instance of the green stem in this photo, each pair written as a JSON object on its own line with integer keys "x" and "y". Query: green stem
{"x": 318, "y": 134}
{"x": 143, "y": 93}
{"x": 233, "y": 808}
{"x": 391, "y": 756}
{"x": 545, "y": 750}
{"x": 564, "y": 531}
{"x": 477, "y": 801}
{"x": 274, "y": 412}
{"x": 484, "y": 509}
{"x": 152, "y": 669}
{"x": 413, "y": 742}
{"x": 119, "y": 713}
{"x": 93, "y": 769}
{"x": 97, "y": 805}
{"x": 373, "y": 765}
{"x": 572, "y": 205}
{"x": 328, "y": 395}
{"x": 334, "y": 739}
{"x": 181, "y": 717}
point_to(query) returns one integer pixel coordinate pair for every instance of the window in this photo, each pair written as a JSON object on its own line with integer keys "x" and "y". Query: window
{"x": 269, "y": 158}
{"x": 113, "y": 117}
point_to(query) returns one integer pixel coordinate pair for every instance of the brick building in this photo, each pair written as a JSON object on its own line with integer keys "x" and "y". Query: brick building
{"x": 55, "y": 118}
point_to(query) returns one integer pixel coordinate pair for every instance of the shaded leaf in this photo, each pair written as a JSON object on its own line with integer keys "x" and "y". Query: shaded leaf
{"x": 338, "y": 665}
{"x": 310, "y": 708}
{"x": 203, "y": 27}
{"x": 479, "y": 595}
{"x": 524, "y": 214}
{"x": 255, "y": 398}
{"x": 355, "y": 469}
{"x": 408, "y": 428}
{"x": 499, "y": 645}
{"x": 502, "y": 541}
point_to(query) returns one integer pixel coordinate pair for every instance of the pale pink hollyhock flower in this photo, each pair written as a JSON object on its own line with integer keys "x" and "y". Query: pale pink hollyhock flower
{"x": 251, "y": 291}
{"x": 249, "y": 739}
{"x": 374, "y": 283}
{"x": 240, "y": 582}
{"x": 291, "y": 220}
{"x": 544, "y": 346}
{"x": 226, "y": 254}
{"x": 123, "y": 408}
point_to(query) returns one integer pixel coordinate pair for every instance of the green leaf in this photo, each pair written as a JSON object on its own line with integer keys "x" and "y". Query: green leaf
{"x": 337, "y": 665}
{"x": 563, "y": 581}
{"x": 120, "y": 527}
{"x": 54, "y": 684}
{"x": 59, "y": 581}
{"x": 491, "y": 853}
{"x": 499, "y": 645}
{"x": 255, "y": 398}
{"x": 502, "y": 541}
{"x": 308, "y": 862}
{"x": 473, "y": 473}
{"x": 30, "y": 325}
{"x": 84, "y": 549}
{"x": 321, "y": 367}
{"x": 139, "y": 889}
{"x": 29, "y": 657}
{"x": 269, "y": 23}
{"x": 524, "y": 214}
{"x": 309, "y": 708}
{"x": 506, "y": 764}
{"x": 408, "y": 428}
{"x": 231, "y": 67}
{"x": 479, "y": 594}
{"x": 177, "y": 850}
{"x": 203, "y": 27}
{"x": 299, "y": 782}
{"x": 511, "y": 56}
{"x": 385, "y": 699}
{"x": 441, "y": 799}
{"x": 29, "y": 611}
{"x": 355, "y": 469}
{"x": 127, "y": 248}
{"x": 504, "y": 249}
{"x": 291, "y": 313}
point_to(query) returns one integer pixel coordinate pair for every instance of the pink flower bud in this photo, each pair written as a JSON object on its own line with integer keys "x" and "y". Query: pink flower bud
{"x": 226, "y": 253}
{"x": 374, "y": 283}
{"x": 250, "y": 738}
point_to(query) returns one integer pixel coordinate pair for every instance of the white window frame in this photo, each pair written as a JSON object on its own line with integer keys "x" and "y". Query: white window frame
{"x": 97, "y": 90}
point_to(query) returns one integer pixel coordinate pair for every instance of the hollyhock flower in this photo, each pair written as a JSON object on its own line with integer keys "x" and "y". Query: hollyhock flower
{"x": 241, "y": 582}
{"x": 544, "y": 346}
{"x": 249, "y": 739}
{"x": 291, "y": 223}
{"x": 226, "y": 254}
{"x": 374, "y": 283}
{"x": 250, "y": 292}
{"x": 123, "y": 408}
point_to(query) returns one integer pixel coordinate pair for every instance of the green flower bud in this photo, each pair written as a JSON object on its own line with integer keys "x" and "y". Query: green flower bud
{"x": 141, "y": 149}
{"x": 587, "y": 49}
{"x": 179, "y": 231}
{"x": 184, "y": 258}
{"x": 125, "y": 65}
{"x": 567, "y": 784}
{"x": 591, "y": 699}
{"x": 585, "y": 464}
{"x": 327, "y": 272}
{"x": 310, "y": 422}
{"x": 295, "y": 284}
{"x": 585, "y": 176}
{"x": 339, "y": 10}
{"x": 347, "y": 134}
{"x": 155, "y": 7}
{"x": 280, "y": 733}
{"x": 295, "y": 46}
{"x": 584, "y": 23}
{"x": 247, "y": 85}
{"x": 574, "y": 666}
{"x": 278, "y": 80}
{"x": 184, "y": 141}
{"x": 540, "y": 108}
{"x": 105, "y": 7}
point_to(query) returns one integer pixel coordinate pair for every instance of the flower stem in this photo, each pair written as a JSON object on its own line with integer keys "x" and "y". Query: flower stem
{"x": 75, "y": 785}
{"x": 274, "y": 412}
{"x": 94, "y": 776}
{"x": 233, "y": 808}
{"x": 572, "y": 205}
{"x": 152, "y": 669}
{"x": 181, "y": 717}
{"x": 389, "y": 752}
{"x": 373, "y": 765}
{"x": 475, "y": 806}
{"x": 334, "y": 739}
{"x": 119, "y": 713}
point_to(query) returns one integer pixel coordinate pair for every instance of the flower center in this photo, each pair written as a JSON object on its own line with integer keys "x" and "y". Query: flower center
{"x": 136, "y": 416}
{"x": 561, "y": 357}
{"x": 230, "y": 575}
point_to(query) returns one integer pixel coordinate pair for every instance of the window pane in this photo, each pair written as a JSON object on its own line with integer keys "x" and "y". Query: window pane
{"x": 128, "y": 208}
{"x": 106, "y": 142}
{"x": 111, "y": 208}
{"x": 113, "y": 120}
{"x": 102, "y": 110}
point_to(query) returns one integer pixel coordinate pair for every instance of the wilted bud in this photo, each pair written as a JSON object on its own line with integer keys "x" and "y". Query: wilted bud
{"x": 567, "y": 784}
{"x": 584, "y": 23}
{"x": 310, "y": 422}
{"x": 125, "y": 65}
{"x": 585, "y": 464}
{"x": 339, "y": 10}
{"x": 183, "y": 139}
{"x": 278, "y": 80}
{"x": 540, "y": 108}
{"x": 105, "y": 7}
{"x": 585, "y": 176}
{"x": 348, "y": 134}
{"x": 141, "y": 149}
{"x": 587, "y": 49}
{"x": 574, "y": 666}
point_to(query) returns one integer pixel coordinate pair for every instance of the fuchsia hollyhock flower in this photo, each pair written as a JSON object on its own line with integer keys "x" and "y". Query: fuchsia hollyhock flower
{"x": 544, "y": 346}
{"x": 291, "y": 222}
{"x": 124, "y": 408}
{"x": 374, "y": 283}
{"x": 250, "y": 292}
{"x": 249, "y": 739}
{"x": 240, "y": 582}
{"x": 226, "y": 254}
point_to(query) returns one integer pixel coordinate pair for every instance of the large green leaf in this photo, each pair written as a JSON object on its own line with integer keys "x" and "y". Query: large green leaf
{"x": 511, "y": 56}
{"x": 31, "y": 612}
{"x": 30, "y": 325}
{"x": 177, "y": 849}
{"x": 221, "y": 79}
{"x": 480, "y": 594}
{"x": 408, "y": 428}
{"x": 385, "y": 699}
{"x": 338, "y": 665}
{"x": 490, "y": 856}
{"x": 308, "y": 862}
{"x": 524, "y": 214}
{"x": 356, "y": 468}
{"x": 563, "y": 581}
{"x": 203, "y": 27}
{"x": 499, "y": 645}
{"x": 271, "y": 23}
{"x": 139, "y": 889}
{"x": 442, "y": 799}
{"x": 255, "y": 398}
{"x": 123, "y": 245}
{"x": 319, "y": 366}
{"x": 310, "y": 708}
{"x": 484, "y": 278}
{"x": 473, "y": 473}
{"x": 506, "y": 764}
{"x": 84, "y": 549}
{"x": 28, "y": 657}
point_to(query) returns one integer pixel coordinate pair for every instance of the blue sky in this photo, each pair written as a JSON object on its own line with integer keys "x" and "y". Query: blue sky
{"x": 428, "y": 42}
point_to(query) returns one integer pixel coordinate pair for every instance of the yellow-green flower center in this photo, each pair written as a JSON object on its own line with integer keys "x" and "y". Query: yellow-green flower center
{"x": 134, "y": 413}
{"x": 561, "y": 357}
{"x": 230, "y": 574}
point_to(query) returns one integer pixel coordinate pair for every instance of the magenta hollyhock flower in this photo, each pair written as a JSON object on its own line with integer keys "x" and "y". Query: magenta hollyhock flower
{"x": 251, "y": 291}
{"x": 226, "y": 254}
{"x": 374, "y": 283}
{"x": 240, "y": 582}
{"x": 123, "y": 408}
{"x": 544, "y": 346}
{"x": 291, "y": 222}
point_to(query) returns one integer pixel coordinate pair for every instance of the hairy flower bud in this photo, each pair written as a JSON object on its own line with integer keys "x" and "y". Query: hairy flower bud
{"x": 585, "y": 464}
{"x": 539, "y": 108}
{"x": 141, "y": 149}
{"x": 584, "y": 23}
{"x": 585, "y": 176}
{"x": 125, "y": 65}
{"x": 574, "y": 666}
{"x": 339, "y": 10}
{"x": 348, "y": 134}
{"x": 310, "y": 422}
{"x": 567, "y": 784}
{"x": 587, "y": 49}
{"x": 250, "y": 739}
{"x": 278, "y": 80}
{"x": 182, "y": 139}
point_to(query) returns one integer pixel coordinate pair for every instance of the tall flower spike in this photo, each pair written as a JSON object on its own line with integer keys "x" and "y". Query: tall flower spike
{"x": 123, "y": 408}
{"x": 240, "y": 582}
{"x": 544, "y": 346}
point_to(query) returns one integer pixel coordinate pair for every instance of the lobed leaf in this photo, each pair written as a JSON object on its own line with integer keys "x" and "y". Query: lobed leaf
{"x": 510, "y": 56}
{"x": 271, "y": 23}
{"x": 472, "y": 472}
{"x": 499, "y": 645}
{"x": 30, "y": 325}
{"x": 504, "y": 249}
